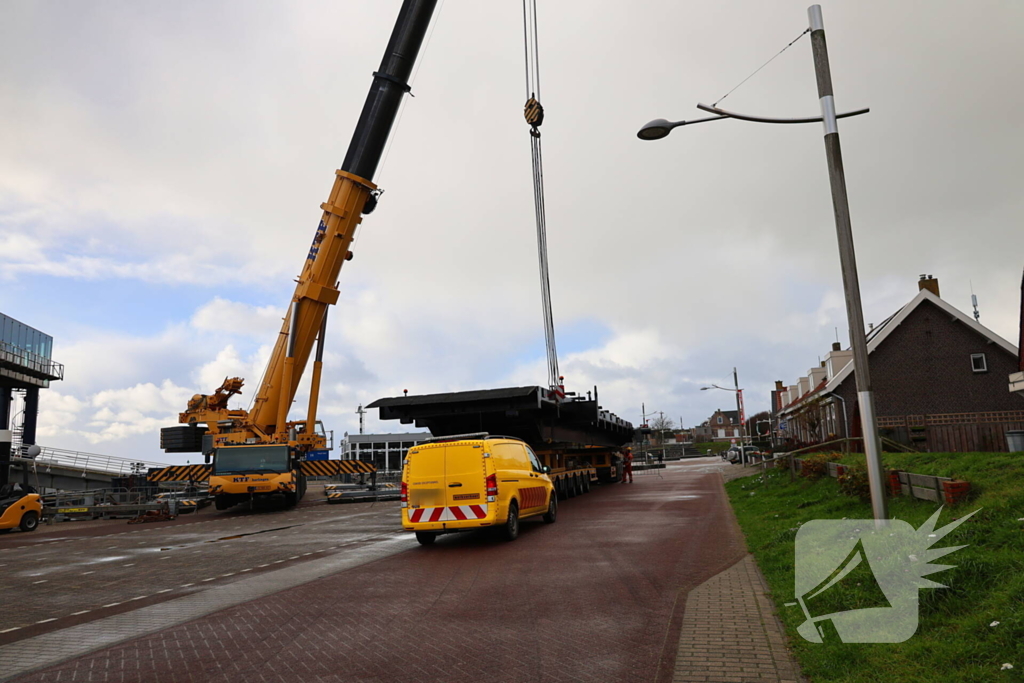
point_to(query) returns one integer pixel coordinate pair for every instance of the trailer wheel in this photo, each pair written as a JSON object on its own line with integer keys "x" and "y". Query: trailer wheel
{"x": 29, "y": 521}
{"x": 586, "y": 483}
{"x": 552, "y": 513}
{"x": 425, "y": 537}
{"x": 571, "y": 487}
{"x": 511, "y": 529}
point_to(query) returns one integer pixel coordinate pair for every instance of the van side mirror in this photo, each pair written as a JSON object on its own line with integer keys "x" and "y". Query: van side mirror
{"x": 545, "y": 469}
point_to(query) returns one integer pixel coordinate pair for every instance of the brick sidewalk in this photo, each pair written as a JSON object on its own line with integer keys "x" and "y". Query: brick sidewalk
{"x": 730, "y": 633}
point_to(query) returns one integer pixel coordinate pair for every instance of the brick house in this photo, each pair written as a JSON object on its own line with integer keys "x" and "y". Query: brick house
{"x": 723, "y": 424}
{"x": 939, "y": 379}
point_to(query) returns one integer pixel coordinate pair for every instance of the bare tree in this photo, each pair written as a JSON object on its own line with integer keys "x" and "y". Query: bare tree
{"x": 660, "y": 425}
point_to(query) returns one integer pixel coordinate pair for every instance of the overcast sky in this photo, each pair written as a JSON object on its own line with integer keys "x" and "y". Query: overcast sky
{"x": 162, "y": 166}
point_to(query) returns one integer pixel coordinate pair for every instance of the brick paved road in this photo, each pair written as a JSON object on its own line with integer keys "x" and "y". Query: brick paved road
{"x": 596, "y": 597}
{"x": 77, "y": 572}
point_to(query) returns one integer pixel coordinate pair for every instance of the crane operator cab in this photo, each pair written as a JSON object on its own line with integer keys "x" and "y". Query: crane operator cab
{"x": 245, "y": 473}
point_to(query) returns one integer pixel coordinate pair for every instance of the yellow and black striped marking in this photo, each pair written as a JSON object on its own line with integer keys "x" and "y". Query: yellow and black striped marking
{"x": 181, "y": 473}
{"x": 330, "y": 468}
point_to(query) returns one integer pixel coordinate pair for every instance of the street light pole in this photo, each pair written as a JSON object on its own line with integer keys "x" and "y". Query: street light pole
{"x": 848, "y": 261}
{"x": 739, "y": 411}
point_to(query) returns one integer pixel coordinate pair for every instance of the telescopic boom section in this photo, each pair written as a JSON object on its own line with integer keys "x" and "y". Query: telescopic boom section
{"x": 353, "y": 188}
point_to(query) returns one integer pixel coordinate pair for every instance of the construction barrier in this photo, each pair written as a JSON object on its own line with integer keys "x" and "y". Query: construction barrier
{"x": 311, "y": 468}
{"x": 180, "y": 473}
{"x": 331, "y": 468}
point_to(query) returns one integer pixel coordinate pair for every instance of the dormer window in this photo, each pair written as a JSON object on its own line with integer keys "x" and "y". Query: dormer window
{"x": 978, "y": 362}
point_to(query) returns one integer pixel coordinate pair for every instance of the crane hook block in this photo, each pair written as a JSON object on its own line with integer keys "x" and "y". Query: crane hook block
{"x": 534, "y": 112}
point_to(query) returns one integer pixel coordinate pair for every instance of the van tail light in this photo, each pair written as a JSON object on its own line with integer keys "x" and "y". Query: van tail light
{"x": 492, "y": 484}
{"x": 404, "y": 495}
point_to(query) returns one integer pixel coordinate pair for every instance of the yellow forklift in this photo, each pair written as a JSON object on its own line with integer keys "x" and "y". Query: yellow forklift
{"x": 19, "y": 507}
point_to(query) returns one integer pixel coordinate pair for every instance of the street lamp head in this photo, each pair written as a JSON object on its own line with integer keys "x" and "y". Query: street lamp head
{"x": 655, "y": 130}
{"x": 704, "y": 388}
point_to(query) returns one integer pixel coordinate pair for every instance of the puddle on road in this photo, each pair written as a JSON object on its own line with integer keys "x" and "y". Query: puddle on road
{"x": 231, "y": 538}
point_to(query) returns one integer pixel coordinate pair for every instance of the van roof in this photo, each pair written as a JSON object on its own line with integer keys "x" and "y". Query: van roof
{"x": 474, "y": 436}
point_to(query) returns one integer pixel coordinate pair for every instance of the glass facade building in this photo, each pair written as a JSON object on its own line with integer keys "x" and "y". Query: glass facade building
{"x": 21, "y": 336}
{"x": 25, "y": 355}
{"x": 385, "y": 451}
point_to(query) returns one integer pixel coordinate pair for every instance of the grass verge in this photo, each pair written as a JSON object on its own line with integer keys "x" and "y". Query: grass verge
{"x": 955, "y": 640}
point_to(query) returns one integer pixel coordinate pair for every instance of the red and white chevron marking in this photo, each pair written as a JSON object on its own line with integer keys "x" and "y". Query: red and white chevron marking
{"x": 448, "y": 514}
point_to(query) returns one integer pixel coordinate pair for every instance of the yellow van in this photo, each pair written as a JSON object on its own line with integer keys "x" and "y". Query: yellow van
{"x": 473, "y": 481}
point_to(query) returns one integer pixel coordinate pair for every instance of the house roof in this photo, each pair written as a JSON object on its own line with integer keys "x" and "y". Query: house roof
{"x": 879, "y": 334}
{"x": 733, "y": 415}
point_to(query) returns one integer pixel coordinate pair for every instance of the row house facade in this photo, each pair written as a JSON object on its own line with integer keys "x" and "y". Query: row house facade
{"x": 939, "y": 379}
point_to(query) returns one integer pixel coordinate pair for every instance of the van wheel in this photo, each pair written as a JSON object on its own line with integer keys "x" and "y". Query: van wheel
{"x": 221, "y": 502}
{"x": 291, "y": 500}
{"x": 29, "y": 521}
{"x": 425, "y": 537}
{"x": 552, "y": 513}
{"x": 511, "y": 528}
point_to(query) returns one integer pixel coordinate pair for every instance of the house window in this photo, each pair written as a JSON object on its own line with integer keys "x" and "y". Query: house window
{"x": 978, "y": 363}
{"x": 719, "y": 419}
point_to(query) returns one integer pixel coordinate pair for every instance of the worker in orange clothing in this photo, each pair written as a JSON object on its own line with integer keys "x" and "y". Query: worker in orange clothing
{"x": 627, "y": 465}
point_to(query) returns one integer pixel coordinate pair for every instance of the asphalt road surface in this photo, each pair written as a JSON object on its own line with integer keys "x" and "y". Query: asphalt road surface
{"x": 339, "y": 593}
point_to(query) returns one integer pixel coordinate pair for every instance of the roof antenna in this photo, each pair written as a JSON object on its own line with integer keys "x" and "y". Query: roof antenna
{"x": 974, "y": 302}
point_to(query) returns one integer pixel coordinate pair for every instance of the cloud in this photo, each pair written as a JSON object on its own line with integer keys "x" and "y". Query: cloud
{"x": 128, "y": 158}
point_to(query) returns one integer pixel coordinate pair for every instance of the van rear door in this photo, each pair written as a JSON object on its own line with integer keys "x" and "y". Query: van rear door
{"x": 426, "y": 478}
{"x": 466, "y": 481}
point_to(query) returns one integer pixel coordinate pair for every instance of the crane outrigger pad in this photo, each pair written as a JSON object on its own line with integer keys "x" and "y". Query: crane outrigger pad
{"x": 533, "y": 414}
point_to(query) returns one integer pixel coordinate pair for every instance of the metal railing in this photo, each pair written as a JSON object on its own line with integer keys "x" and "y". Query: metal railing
{"x": 89, "y": 462}
{"x": 30, "y": 363}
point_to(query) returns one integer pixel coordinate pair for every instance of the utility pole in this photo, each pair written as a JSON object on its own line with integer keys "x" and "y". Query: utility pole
{"x": 848, "y": 261}
{"x": 361, "y": 412}
{"x": 739, "y": 413}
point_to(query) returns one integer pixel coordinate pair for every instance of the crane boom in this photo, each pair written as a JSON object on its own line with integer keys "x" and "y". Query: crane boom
{"x": 316, "y": 288}
{"x": 263, "y": 436}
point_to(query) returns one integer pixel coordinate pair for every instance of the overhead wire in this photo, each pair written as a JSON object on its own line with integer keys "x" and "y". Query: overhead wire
{"x": 790, "y": 44}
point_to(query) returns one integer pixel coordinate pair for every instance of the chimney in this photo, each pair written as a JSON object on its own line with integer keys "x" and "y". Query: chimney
{"x": 778, "y": 385}
{"x": 836, "y": 346}
{"x": 930, "y": 283}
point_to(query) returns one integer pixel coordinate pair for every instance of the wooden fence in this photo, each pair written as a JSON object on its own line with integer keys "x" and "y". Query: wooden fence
{"x": 953, "y": 432}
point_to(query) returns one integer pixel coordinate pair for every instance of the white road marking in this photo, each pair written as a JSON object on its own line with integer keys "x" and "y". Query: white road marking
{"x": 224, "y": 575}
{"x": 245, "y": 570}
{"x": 263, "y": 565}
{"x": 210, "y": 579}
{"x": 87, "y": 573}
{"x": 47, "y": 620}
{"x": 186, "y": 585}
{"x": 8, "y": 630}
{"x": 139, "y": 597}
{"x": 294, "y": 557}
{"x": 34, "y": 583}
{"x": 113, "y": 604}
{"x": 85, "y": 611}
{"x": 166, "y": 590}
{"x": 128, "y": 565}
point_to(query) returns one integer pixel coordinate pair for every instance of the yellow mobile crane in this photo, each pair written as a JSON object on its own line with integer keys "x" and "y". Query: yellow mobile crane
{"x": 258, "y": 452}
